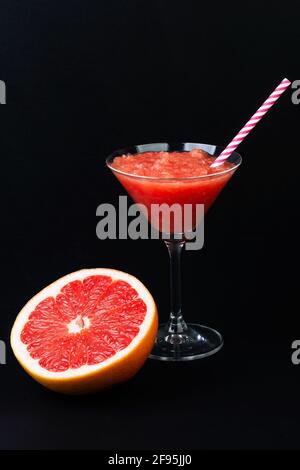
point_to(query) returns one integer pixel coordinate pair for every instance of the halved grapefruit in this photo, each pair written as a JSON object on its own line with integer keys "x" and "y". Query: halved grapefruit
{"x": 88, "y": 330}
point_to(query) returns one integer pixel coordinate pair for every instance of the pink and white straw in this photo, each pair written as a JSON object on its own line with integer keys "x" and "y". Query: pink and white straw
{"x": 252, "y": 122}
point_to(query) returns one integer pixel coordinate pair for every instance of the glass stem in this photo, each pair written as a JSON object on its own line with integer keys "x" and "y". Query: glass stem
{"x": 176, "y": 324}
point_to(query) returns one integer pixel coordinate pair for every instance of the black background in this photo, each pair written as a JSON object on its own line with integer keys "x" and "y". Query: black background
{"x": 86, "y": 78}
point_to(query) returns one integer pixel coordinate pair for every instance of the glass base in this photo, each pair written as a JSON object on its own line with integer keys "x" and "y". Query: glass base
{"x": 195, "y": 342}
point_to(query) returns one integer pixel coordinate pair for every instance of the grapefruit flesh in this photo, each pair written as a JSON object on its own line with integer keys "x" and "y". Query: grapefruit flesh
{"x": 89, "y": 330}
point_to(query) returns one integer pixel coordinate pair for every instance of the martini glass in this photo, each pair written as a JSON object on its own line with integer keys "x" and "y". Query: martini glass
{"x": 177, "y": 340}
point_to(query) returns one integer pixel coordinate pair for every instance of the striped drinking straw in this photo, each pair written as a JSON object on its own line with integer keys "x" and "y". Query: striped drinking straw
{"x": 252, "y": 122}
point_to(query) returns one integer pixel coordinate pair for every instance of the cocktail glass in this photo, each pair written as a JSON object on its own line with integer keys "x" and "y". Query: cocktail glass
{"x": 177, "y": 340}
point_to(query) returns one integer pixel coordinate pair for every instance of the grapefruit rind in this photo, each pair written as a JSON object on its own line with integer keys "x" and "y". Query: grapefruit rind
{"x": 88, "y": 378}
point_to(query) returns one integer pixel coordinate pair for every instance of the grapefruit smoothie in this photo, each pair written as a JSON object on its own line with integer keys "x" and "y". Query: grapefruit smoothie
{"x": 172, "y": 178}
{"x": 176, "y": 174}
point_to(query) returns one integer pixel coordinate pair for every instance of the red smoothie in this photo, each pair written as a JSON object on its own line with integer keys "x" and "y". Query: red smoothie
{"x": 172, "y": 178}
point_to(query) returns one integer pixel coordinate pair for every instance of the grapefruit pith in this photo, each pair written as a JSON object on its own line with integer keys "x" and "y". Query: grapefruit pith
{"x": 86, "y": 331}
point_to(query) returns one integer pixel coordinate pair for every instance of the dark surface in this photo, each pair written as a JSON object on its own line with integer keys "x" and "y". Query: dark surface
{"x": 85, "y": 78}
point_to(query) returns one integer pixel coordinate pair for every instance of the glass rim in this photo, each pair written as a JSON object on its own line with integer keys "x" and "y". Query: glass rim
{"x": 133, "y": 150}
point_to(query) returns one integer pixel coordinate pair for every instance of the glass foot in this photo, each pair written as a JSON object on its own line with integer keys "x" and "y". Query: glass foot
{"x": 195, "y": 342}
